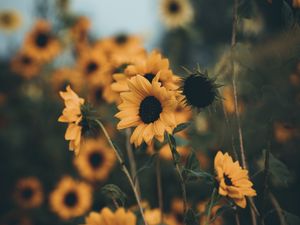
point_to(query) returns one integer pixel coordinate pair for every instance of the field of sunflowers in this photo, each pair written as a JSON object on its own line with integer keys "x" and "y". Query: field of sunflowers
{"x": 200, "y": 128}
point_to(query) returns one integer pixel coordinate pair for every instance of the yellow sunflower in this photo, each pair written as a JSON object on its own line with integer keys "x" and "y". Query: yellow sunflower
{"x": 96, "y": 160}
{"x": 153, "y": 217}
{"x": 148, "y": 107}
{"x": 63, "y": 77}
{"x": 107, "y": 217}
{"x": 41, "y": 42}
{"x": 94, "y": 66}
{"x": 177, "y": 210}
{"x": 10, "y": 20}
{"x": 79, "y": 33}
{"x": 73, "y": 116}
{"x": 176, "y": 13}
{"x": 233, "y": 180}
{"x": 120, "y": 44}
{"x": 25, "y": 65}
{"x": 29, "y": 192}
{"x": 149, "y": 68}
{"x": 71, "y": 198}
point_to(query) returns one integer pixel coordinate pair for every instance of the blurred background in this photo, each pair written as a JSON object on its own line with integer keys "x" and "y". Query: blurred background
{"x": 35, "y": 163}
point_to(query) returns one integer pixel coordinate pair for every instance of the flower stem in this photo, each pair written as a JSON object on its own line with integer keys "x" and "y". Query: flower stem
{"x": 211, "y": 203}
{"x": 124, "y": 169}
{"x": 159, "y": 189}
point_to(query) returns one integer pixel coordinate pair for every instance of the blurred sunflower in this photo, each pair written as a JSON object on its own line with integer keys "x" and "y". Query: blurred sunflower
{"x": 233, "y": 180}
{"x": 29, "y": 192}
{"x": 283, "y": 132}
{"x": 177, "y": 210}
{"x": 107, "y": 217}
{"x": 10, "y": 20}
{"x": 165, "y": 152}
{"x": 71, "y": 198}
{"x": 79, "y": 33}
{"x": 296, "y": 3}
{"x": 65, "y": 76}
{"x": 153, "y": 217}
{"x": 93, "y": 65}
{"x": 25, "y": 65}
{"x": 73, "y": 116}
{"x": 41, "y": 43}
{"x": 120, "y": 44}
{"x": 152, "y": 66}
{"x": 228, "y": 102}
{"x": 95, "y": 161}
{"x": 176, "y": 13}
{"x": 203, "y": 218}
{"x": 148, "y": 107}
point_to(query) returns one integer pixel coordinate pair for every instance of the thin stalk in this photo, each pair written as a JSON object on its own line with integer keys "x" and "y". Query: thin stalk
{"x": 211, "y": 203}
{"x": 237, "y": 219}
{"x": 266, "y": 185}
{"x": 278, "y": 209}
{"x": 132, "y": 163}
{"x": 159, "y": 189}
{"x": 124, "y": 169}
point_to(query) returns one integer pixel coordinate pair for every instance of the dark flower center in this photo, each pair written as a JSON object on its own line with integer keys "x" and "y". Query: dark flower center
{"x": 6, "y": 19}
{"x": 42, "y": 39}
{"x": 27, "y": 193}
{"x": 149, "y": 76}
{"x": 199, "y": 91}
{"x": 71, "y": 199}
{"x": 121, "y": 68}
{"x": 26, "y": 60}
{"x": 95, "y": 159}
{"x": 227, "y": 180}
{"x": 150, "y": 109}
{"x": 91, "y": 67}
{"x": 174, "y": 7}
{"x": 121, "y": 39}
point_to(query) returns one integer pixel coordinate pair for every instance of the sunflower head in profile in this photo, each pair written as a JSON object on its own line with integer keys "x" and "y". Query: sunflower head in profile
{"x": 29, "y": 192}
{"x": 176, "y": 13}
{"x": 65, "y": 76}
{"x": 77, "y": 114}
{"x": 10, "y": 20}
{"x": 149, "y": 107}
{"x": 41, "y": 42}
{"x": 107, "y": 217}
{"x": 149, "y": 68}
{"x": 198, "y": 90}
{"x": 233, "y": 181}
{"x": 96, "y": 160}
{"x": 71, "y": 198}
{"x": 25, "y": 65}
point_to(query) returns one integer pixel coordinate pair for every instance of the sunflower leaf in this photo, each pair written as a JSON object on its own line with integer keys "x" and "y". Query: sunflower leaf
{"x": 181, "y": 127}
{"x": 172, "y": 144}
{"x": 147, "y": 165}
{"x": 192, "y": 162}
{"x": 201, "y": 175}
{"x": 114, "y": 192}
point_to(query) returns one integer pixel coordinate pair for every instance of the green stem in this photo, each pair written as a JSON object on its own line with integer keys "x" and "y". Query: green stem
{"x": 214, "y": 194}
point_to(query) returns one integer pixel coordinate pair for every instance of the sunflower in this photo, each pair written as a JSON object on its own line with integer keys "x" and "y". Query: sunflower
{"x": 71, "y": 198}
{"x": 96, "y": 160}
{"x": 176, "y": 13}
{"x": 120, "y": 44}
{"x": 25, "y": 65}
{"x": 94, "y": 66}
{"x": 107, "y": 217}
{"x": 41, "y": 43}
{"x": 73, "y": 116}
{"x": 233, "y": 180}
{"x": 296, "y": 3}
{"x": 79, "y": 32}
{"x": 63, "y": 77}
{"x": 203, "y": 218}
{"x": 10, "y": 20}
{"x": 283, "y": 132}
{"x": 148, "y": 107}
{"x": 152, "y": 66}
{"x": 29, "y": 192}
{"x": 153, "y": 217}
{"x": 228, "y": 102}
{"x": 177, "y": 210}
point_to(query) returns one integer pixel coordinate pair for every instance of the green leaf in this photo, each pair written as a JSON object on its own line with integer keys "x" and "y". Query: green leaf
{"x": 220, "y": 212}
{"x": 114, "y": 192}
{"x": 192, "y": 175}
{"x": 191, "y": 218}
{"x": 288, "y": 14}
{"x": 181, "y": 141}
{"x": 192, "y": 162}
{"x": 291, "y": 219}
{"x": 147, "y": 165}
{"x": 172, "y": 144}
{"x": 181, "y": 127}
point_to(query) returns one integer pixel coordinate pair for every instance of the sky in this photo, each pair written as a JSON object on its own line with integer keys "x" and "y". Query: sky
{"x": 108, "y": 17}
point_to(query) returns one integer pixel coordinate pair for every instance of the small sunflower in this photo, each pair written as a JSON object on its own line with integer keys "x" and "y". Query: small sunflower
{"x": 96, "y": 160}
{"x": 283, "y": 132}
{"x": 233, "y": 180}
{"x": 94, "y": 66}
{"x": 79, "y": 33}
{"x": 153, "y": 217}
{"x": 107, "y": 217}
{"x": 198, "y": 90}
{"x": 63, "y": 77}
{"x": 148, "y": 107}
{"x": 176, "y": 13}
{"x": 177, "y": 210}
{"x": 29, "y": 192}
{"x": 25, "y": 65}
{"x": 152, "y": 66}
{"x": 41, "y": 42}
{"x": 71, "y": 198}
{"x": 10, "y": 20}
{"x": 120, "y": 44}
